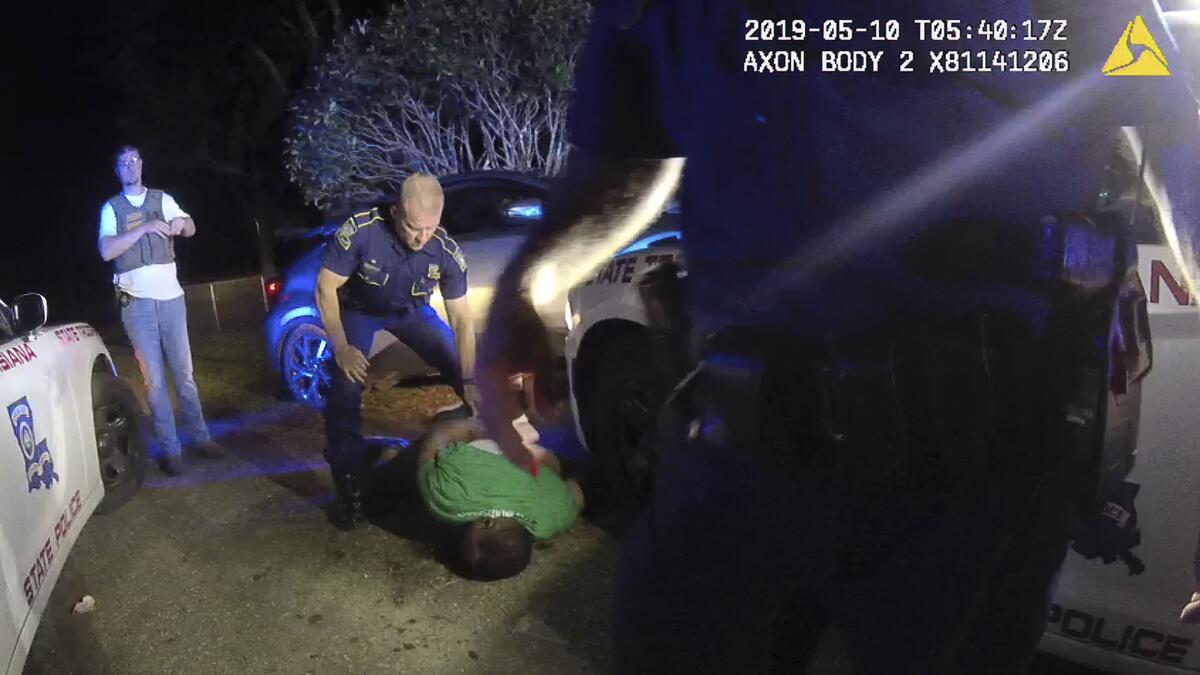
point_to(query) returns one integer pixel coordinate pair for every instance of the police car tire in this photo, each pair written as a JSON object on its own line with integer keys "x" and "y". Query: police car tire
{"x": 293, "y": 331}
{"x": 628, "y": 365}
{"x": 119, "y": 428}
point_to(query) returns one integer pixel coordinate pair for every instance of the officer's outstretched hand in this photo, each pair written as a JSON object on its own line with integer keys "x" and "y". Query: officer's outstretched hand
{"x": 352, "y": 362}
{"x": 514, "y": 342}
{"x": 1191, "y": 611}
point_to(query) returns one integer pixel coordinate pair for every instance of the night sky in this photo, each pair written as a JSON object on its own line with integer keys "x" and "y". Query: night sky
{"x": 84, "y": 77}
{"x": 168, "y": 76}
{"x": 54, "y": 162}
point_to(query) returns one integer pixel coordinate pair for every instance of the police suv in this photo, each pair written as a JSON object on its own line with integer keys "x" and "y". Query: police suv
{"x": 1118, "y": 597}
{"x": 72, "y": 445}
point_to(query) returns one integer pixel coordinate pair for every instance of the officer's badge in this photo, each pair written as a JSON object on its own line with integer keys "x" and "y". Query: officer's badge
{"x": 345, "y": 233}
{"x": 39, "y": 465}
{"x": 434, "y": 272}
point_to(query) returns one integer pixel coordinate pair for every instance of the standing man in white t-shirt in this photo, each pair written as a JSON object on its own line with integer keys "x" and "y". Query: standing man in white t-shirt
{"x": 137, "y": 231}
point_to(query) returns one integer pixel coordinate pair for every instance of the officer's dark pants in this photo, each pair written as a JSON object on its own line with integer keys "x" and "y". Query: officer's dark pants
{"x": 424, "y": 332}
{"x": 926, "y": 539}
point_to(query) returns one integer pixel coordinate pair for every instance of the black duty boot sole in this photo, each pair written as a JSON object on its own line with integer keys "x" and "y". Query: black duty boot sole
{"x": 344, "y": 518}
{"x": 346, "y": 511}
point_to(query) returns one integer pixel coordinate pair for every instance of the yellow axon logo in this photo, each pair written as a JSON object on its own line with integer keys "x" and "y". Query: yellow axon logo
{"x": 1136, "y": 54}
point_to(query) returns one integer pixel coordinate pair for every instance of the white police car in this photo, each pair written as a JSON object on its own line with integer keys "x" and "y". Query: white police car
{"x": 71, "y": 445}
{"x": 1104, "y": 614}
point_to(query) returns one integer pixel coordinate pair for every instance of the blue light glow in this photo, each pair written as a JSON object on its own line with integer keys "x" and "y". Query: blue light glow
{"x": 525, "y": 211}
{"x": 248, "y": 461}
{"x": 645, "y": 242}
{"x": 297, "y": 313}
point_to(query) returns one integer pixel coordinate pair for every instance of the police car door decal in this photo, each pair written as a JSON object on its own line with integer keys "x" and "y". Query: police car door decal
{"x": 31, "y": 489}
{"x": 39, "y": 464}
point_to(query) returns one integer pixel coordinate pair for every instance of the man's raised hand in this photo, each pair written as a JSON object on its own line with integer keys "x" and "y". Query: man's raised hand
{"x": 158, "y": 227}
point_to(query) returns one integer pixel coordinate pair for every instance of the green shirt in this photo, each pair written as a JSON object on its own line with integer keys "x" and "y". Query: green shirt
{"x": 463, "y": 484}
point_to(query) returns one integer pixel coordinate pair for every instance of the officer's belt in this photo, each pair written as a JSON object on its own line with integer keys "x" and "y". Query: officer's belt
{"x": 392, "y": 312}
{"x": 926, "y": 384}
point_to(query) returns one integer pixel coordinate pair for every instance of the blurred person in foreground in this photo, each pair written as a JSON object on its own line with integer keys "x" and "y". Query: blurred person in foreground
{"x": 907, "y": 326}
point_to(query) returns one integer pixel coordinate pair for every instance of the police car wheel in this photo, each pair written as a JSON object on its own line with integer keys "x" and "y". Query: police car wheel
{"x": 120, "y": 440}
{"x": 631, "y": 386}
{"x": 305, "y": 362}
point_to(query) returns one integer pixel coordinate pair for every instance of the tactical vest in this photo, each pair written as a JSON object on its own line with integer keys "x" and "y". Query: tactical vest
{"x": 151, "y": 249}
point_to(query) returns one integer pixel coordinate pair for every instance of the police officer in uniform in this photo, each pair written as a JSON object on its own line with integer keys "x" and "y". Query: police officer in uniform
{"x": 911, "y": 335}
{"x": 377, "y": 274}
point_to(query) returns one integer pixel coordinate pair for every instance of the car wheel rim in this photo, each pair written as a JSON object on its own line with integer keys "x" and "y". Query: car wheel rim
{"x": 637, "y": 413}
{"x": 116, "y": 442}
{"x": 307, "y": 364}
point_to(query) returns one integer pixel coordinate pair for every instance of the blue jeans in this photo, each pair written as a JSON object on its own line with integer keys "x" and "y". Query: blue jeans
{"x": 155, "y": 327}
{"x": 425, "y": 333}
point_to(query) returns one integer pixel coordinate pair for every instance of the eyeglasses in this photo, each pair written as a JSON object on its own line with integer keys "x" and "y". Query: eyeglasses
{"x": 126, "y": 163}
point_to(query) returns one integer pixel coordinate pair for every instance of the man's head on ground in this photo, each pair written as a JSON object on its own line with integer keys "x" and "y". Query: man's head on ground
{"x": 496, "y": 548}
{"x": 418, "y": 212}
{"x": 128, "y": 165}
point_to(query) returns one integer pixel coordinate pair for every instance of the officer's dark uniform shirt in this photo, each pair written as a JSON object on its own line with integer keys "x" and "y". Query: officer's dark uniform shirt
{"x": 385, "y": 277}
{"x": 844, "y": 168}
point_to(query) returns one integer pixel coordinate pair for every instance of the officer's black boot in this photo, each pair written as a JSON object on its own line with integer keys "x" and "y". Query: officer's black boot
{"x": 346, "y": 511}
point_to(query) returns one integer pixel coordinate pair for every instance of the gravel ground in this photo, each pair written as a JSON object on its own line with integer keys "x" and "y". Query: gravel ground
{"x": 233, "y": 568}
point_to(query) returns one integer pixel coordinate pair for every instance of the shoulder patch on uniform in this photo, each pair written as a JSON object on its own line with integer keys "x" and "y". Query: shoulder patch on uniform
{"x": 450, "y": 246}
{"x": 345, "y": 233}
{"x": 367, "y": 218}
{"x": 353, "y": 224}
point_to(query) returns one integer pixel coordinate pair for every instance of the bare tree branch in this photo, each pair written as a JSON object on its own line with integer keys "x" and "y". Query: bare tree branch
{"x": 311, "y": 37}
{"x": 335, "y": 9}
{"x": 272, "y": 70}
{"x": 386, "y": 101}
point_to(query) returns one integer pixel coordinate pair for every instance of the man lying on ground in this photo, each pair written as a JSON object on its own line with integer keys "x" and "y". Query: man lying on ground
{"x": 464, "y": 479}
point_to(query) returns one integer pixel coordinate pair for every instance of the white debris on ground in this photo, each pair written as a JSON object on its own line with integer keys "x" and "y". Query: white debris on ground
{"x": 85, "y": 605}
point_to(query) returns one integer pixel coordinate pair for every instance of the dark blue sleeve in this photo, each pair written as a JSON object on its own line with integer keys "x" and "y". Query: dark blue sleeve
{"x": 343, "y": 251}
{"x": 453, "y": 283}
{"x": 617, "y": 109}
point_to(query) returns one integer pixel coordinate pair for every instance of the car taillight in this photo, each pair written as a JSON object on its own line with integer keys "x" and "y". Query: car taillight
{"x": 271, "y": 288}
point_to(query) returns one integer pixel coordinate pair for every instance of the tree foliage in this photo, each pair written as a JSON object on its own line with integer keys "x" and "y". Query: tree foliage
{"x": 437, "y": 86}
